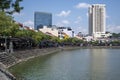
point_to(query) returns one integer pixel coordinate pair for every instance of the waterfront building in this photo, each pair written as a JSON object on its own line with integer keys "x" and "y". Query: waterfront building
{"x": 65, "y": 32}
{"x": 53, "y": 31}
{"x": 42, "y": 19}
{"x": 97, "y": 20}
{"x": 61, "y": 32}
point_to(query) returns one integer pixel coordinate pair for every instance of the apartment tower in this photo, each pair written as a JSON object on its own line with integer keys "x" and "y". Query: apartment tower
{"x": 97, "y": 20}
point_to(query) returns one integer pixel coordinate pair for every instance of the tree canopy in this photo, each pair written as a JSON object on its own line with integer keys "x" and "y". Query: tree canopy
{"x": 116, "y": 35}
{"x": 7, "y": 25}
{"x": 10, "y": 6}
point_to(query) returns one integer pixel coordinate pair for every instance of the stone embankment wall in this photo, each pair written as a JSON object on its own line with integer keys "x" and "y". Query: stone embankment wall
{"x": 4, "y": 74}
{"x": 9, "y": 59}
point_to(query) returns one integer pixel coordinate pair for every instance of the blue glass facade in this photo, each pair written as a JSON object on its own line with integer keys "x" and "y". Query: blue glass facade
{"x": 42, "y": 19}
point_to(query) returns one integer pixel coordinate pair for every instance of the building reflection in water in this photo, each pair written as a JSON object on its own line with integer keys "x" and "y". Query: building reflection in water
{"x": 98, "y": 64}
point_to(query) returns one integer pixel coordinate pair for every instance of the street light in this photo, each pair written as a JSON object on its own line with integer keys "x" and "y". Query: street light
{"x": 5, "y": 37}
{"x": 6, "y": 44}
{"x": 72, "y": 33}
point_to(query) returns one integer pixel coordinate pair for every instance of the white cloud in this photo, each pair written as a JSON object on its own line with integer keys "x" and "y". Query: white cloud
{"x": 65, "y": 22}
{"x": 83, "y": 30}
{"x": 59, "y": 24}
{"x": 113, "y": 28}
{"x": 18, "y": 14}
{"x": 82, "y": 5}
{"x": 107, "y": 16}
{"x": 77, "y": 22}
{"x": 29, "y": 23}
{"x": 87, "y": 14}
{"x": 79, "y": 18}
{"x": 64, "y": 13}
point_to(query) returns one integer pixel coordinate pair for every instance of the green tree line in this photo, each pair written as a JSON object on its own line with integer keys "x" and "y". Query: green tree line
{"x": 8, "y": 26}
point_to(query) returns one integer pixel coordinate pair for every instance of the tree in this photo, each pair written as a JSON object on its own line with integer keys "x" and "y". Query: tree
{"x": 13, "y": 30}
{"x": 55, "y": 39}
{"x": 10, "y": 6}
{"x": 37, "y": 37}
{"x": 7, "y": 26}
{"x": 21, "y": 33}
{"x": 4, "y": 5}
{"x": 116, "y": 35}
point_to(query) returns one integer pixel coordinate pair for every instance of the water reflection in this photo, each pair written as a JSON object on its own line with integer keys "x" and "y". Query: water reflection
{"x": 98, "y": 64}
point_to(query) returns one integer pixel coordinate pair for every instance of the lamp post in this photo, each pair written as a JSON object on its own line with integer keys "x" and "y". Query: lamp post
{"x": 5, "y": 44}
{"x": 72, "y": 33}
{"x": 11, "y": 47}
{"x": 4, "y": 36}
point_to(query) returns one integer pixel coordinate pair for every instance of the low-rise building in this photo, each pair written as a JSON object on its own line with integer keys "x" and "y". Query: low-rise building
{"x": 61, "y": 32}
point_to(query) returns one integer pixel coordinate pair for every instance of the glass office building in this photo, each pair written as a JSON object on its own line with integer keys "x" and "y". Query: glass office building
{"x": 42, "y": 19}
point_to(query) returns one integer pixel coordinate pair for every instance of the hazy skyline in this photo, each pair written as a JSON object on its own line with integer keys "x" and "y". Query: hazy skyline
{"x": 72, "y": 13}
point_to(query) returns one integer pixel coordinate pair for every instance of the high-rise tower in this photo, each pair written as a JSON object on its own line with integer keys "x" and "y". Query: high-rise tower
{"x": 97, "y": 20}
{"x": 42, "y": 19}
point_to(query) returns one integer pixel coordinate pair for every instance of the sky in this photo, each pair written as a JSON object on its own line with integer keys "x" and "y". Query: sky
{"x": 70, "y": 13}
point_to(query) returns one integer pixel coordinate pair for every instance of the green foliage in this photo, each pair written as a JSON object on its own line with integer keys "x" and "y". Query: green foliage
{"x": 115, "y": 35}
{"x": 10, "y": 6}
{"x": 55, "y": 39}
{"x": 24, "y": 33}
{"x": 115, "y": 43}
{"x": 9, "y": 28}
{"x": 72, "y": 40}
{"x": 21, "y": 33}
{"x": 13, "y": 30}
{"x": 7, "y": 25}
{"x": 16, "y": 6}
{"x": 5, "y": 4}
{"x": 38, "y": 37}
{"x": 95, "y": 43}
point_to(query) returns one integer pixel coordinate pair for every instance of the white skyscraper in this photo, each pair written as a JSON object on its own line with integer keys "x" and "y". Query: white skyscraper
{"x": 97, "y": 20}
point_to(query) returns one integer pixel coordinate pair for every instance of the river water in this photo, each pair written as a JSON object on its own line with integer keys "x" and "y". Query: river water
{"x": 80, "y": 64}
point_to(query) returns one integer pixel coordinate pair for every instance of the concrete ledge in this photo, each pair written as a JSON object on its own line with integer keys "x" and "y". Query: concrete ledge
{"x": 4, "y": 74}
